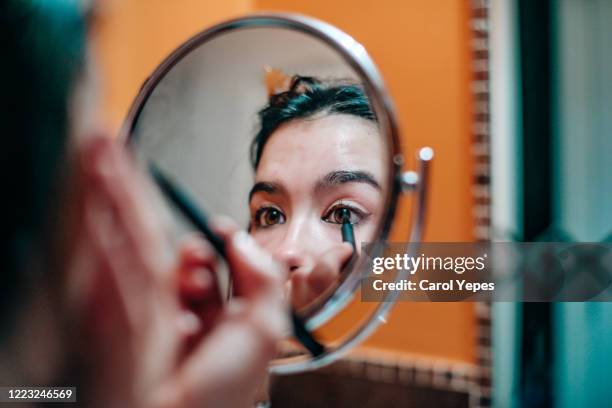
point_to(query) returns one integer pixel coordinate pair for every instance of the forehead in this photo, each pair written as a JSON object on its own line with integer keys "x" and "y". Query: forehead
{"x": 314, "y": 147}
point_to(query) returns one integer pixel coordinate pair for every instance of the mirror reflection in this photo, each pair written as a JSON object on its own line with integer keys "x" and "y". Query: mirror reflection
{"x": 317, "y": 163}
{"x": 284, "y": 140}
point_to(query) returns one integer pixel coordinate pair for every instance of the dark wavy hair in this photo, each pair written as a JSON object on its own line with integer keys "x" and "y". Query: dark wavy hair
{"x": 308, "y": 97}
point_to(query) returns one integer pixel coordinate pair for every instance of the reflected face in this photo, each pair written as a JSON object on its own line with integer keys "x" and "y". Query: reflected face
{"x": 310, "y": 170}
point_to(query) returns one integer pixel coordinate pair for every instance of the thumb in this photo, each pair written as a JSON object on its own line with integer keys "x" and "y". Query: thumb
{"x": 328, "y": 268}
{"x": 253, "y": 269}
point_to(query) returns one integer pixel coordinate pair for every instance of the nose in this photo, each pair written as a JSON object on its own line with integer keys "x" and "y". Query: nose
{"x": 298, "y": 247}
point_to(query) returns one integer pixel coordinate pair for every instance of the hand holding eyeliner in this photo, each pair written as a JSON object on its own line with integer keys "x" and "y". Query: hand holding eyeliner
{"x": 197, "y": 218}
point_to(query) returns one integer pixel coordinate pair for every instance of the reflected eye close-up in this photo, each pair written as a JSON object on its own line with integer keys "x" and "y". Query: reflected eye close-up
{"x": 342, "y": 213}
{"x": 267, "y": 217}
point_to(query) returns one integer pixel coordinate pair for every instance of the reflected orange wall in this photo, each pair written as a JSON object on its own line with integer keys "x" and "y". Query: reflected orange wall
{"x": 421, "y": 48}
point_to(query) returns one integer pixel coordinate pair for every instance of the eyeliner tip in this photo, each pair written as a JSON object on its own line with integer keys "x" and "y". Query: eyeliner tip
{"x": 346, "y": 216}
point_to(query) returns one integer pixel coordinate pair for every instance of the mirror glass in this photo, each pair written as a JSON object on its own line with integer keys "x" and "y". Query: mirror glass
{"x": 273, "y": 128}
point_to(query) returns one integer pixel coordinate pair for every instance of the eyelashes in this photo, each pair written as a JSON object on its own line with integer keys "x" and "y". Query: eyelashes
{"x": 268, "y": 216}
{"x": 335, "y": 214}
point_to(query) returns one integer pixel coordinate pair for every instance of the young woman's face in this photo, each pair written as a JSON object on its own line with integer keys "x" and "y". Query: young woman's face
{"x": 309, "y": 171}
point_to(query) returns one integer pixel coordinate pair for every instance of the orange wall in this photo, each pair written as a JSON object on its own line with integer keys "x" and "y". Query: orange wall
{"x": 421, "y": 48}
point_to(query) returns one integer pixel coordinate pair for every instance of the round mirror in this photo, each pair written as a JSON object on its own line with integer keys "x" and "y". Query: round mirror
{"x": 282, "y": 123}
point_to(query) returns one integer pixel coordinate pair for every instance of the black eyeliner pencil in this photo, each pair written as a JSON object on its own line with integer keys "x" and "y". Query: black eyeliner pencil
{"x": 188, "y": 209}
{"x": 347, "y": 229}
{"x": 199, "y": 220}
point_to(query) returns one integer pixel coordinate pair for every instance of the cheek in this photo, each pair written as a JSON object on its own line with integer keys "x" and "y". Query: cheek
{"x": 365, "y": 231}
{"x": 268, "y": 239}
{"x": 311, "y": 238}
{"x": 328, "y": 235}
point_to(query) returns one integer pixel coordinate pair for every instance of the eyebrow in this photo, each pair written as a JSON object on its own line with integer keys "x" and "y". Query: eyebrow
{"x": 331, "y": 179}
{"x": 338, "y": 177}
{"x": 265, "y": 187}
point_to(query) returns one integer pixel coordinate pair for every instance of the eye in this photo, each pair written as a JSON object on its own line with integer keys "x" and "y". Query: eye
{"x": 335, "y": 214}
{"x": 268, "y": 216}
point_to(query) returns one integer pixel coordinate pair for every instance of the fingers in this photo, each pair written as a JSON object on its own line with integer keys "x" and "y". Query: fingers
{"x": 199, "y": 293}
{"x": 253, "y": 269}
{"x": 130, "y": 241}
{"x": 308, "y": 284}
{"x": 196, "y": 268}
{"x": 130, "y": 238}
{"x": 108, "y": 245}
{"x": 233, "y": 357}
{"x": 236, "y": 350}
{"x": 258, "y": 279}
